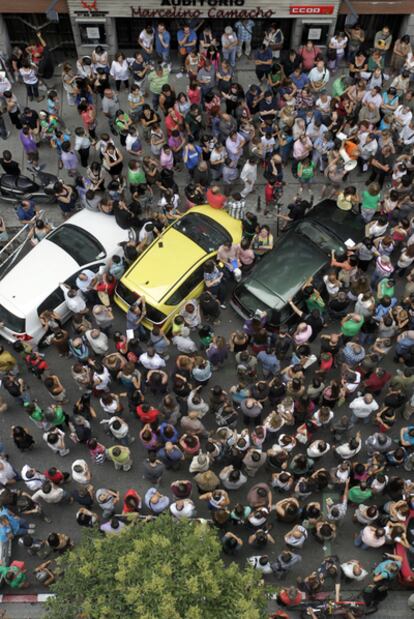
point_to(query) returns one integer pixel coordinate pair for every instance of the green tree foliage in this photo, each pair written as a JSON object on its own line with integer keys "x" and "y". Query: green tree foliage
{"x": 162, "y": 569}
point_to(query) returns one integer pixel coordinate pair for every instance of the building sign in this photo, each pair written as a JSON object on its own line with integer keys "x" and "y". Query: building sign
{"x": 213, "y": 9}
{"x": 212, "y": 12}
{"x": 299, "y": 9}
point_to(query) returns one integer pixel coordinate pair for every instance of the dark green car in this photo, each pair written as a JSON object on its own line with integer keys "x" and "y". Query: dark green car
{"x": 303, "y": 251}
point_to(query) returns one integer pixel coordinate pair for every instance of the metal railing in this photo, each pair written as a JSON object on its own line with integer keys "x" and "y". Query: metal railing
{"x": 9, "y": 254}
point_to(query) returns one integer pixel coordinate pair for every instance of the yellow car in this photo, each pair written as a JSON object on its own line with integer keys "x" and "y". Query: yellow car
{"x": 170, "y": 271}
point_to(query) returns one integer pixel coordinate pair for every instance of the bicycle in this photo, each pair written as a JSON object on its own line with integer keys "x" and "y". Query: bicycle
{"x": 331, "y": 608}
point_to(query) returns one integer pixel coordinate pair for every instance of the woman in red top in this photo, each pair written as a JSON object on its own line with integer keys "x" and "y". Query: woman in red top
{"x": 194, "y": 93}
{"x": 87, "y": 112}
{"x": 190, "y": 444}
{"x": 106, "y": 288}
{"x": 174, "y": 121}
{"x": 147, "y": 414}
{"x": 132, "y": 502}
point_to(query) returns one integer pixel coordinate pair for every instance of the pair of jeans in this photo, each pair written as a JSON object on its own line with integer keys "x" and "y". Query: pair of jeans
{"x": 3, "y": 130}
{"x": 155, "y": 100}
{"x": 119, "y": 82}
{"x": 32, "y": 90}
{"x": 230, "y": 55}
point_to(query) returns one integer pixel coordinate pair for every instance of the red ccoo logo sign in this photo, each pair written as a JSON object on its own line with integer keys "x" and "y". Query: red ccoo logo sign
{"x": 324, "y": 9}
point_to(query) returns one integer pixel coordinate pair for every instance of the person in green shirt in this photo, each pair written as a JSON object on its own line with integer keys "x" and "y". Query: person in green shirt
{"x": 313, "y": 299}
{"x": 36, "y": 414}
{"x": 136, "y": 175}
{"x": 120, "y": 456}
{"x": 386, "y": 288}
{"x": 359, "y": 494}
{"x": 305, "y": 174}
{"x": 55, "y": 415}
{"x": 156, "y": 80}
{"x": 339, "y": 86}
{"x": 370, "y": 200}
{"x": 351, "y": 325}
{"x": 275, "y": 77}
{"x": 14, "y": 576}
{"x": 122, "y": 123}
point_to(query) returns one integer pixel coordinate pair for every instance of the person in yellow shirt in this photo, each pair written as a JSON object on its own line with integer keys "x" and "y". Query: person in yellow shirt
{"x": 8, "y": 363}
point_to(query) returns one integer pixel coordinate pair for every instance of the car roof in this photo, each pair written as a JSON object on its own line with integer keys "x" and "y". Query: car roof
{"x": 40, "y": 272}
{"x": 103, "y": 227}
{"x": 160, "y": 267}
{"x": 275, "y": 279}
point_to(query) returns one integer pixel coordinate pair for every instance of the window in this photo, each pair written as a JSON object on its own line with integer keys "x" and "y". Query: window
{"x": 11, "y": 321}
{"x": 320, "y": 237}
{"x": 71, "y": 281}
{"x": 203, "y": 230}
{"x": 186, "y": 287}
{"x": 78, "y": 243}
{"x": 128, "y": 296}
{"x": 154, "y": 315}
{"x": 52, "y": 301}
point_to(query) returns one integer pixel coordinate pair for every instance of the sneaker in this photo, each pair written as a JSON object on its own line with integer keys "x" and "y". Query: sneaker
{"x": 223, "y": 306}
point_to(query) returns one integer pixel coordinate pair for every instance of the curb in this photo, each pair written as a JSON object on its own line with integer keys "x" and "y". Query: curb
{"x": 39, "y": 598}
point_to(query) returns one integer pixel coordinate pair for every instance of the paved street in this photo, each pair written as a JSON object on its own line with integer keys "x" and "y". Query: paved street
{"x": 41, "y": 457}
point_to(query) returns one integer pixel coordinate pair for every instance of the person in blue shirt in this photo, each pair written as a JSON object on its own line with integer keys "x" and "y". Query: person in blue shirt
{"x": 187, "y": 41}
{"x": 388, "y": 569}
{"x": 263, "y": 60}
{"x": 299, "y": 78}
{"x": 26, "y": 211}
{"x": 269, "y": 362}
{"x": 162, "y": 42}
{"x": 407, "y": 436}
{"x": 191, "y": 155}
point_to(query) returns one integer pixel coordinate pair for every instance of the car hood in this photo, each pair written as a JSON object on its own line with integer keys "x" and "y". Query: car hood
{"x": 276, "y": 278}
{"x": 163, "y": 264}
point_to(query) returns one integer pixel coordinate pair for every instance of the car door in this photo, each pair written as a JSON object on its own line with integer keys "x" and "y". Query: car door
{"x": 55, "y": 302}
{"x": 192, "y": 287}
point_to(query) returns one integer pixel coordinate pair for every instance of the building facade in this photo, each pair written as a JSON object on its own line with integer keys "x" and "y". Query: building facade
{"x": 116, "y": 24}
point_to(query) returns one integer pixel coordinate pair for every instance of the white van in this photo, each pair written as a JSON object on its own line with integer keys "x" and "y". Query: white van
{"x": 86, "y": 240}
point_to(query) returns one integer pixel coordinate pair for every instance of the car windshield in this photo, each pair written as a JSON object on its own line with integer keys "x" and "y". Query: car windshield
{"x": 203, "y": 230}
{"x": 319, "y": 237}
{"x": 78, "y": 243}
{"x": 11, "y": 321}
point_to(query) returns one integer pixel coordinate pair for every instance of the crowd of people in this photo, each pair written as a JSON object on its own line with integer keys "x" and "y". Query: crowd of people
{"x": 322, "y": 392}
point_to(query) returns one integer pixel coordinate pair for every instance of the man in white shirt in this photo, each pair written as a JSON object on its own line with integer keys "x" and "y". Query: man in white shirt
{"x": 249, "y": 176}
{"x": 373, "y": 96}
{"x": 146, "y": 41}
{"x": 368, "y": 146}
{"x": 74, "y": 299}
{"x": 50, "y": 493}
{"x": 182, "y": 509}
{"x": 260, "y": 563}
{"x": 407, "y": 134}
{"x": 151, "y": 360}
{"x": 319, "y": 76}
{"x": 229, "y": 45}
{"x": 7, "y": 473}
{"x": 97, "y": 340}
{"x": 184, "y": 342}
{"x": 32, "y": 478}
{"x": 403, "y": 115}
{"x": 362, "y": 408}
{"x": 353, "y": 570}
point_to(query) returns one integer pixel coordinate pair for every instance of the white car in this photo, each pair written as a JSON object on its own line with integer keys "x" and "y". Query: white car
{"x": 86, "y": 240}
